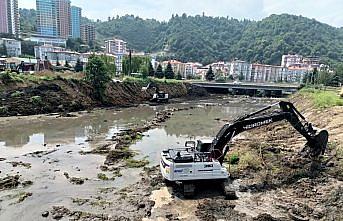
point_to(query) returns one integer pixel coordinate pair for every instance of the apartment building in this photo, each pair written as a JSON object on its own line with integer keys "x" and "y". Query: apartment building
{"x": 76, "y": 22}
{"x": 290, "y": 60}
{"x": 118, "y": 48}
{"x": 63, "y": 17}
{"x": 9, "y": 14}
{"x": 88, "y": 33}
{"x": 240, "y": 68}
{"x": 13, "y": 47}
{"x": 47, "y": 18}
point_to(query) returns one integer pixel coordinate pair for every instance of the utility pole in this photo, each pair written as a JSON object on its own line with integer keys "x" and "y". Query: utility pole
{"x": 130, "y": 62}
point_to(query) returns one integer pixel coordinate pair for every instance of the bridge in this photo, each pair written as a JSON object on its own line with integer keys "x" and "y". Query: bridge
{"x": 253, "y": 89}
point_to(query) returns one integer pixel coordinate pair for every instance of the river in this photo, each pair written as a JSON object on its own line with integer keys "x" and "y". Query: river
{"x": 63, "y": 138}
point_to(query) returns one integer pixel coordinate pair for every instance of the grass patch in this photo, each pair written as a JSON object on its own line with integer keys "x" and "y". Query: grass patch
{"x": 102, "y": 176}
{"x": 233, "y": 159}
{"x": 131, "y": 163}
{"x": 250, "y": 160}
{"x": 146, "y": 81}
{"x": 322, "y": 98}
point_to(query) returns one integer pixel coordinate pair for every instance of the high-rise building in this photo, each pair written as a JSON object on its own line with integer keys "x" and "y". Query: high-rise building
{"x": 9, "y": 14}
{"x": 88, "y": 33}
{"x": 46, "y": 18}
{"x": 75, "y": 22}
{"x": 3, "y": 16}
{"x": 54, "y": 18}
{"x": 63, "y": 18}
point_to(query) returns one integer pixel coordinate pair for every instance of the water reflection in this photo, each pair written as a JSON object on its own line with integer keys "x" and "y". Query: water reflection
{"x": 52, "y": 130}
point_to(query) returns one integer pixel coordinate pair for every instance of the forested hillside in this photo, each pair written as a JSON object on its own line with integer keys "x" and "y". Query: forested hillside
{"x": 207, "y": 39}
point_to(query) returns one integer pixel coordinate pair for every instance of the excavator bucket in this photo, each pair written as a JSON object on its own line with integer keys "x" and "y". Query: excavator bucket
{"x": 319, "y": 144}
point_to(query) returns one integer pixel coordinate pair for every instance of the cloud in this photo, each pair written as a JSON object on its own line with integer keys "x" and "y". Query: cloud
{"x": 328, "y": 11}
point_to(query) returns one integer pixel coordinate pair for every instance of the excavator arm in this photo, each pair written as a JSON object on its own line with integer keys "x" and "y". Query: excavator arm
{"x": 316, "y": 141}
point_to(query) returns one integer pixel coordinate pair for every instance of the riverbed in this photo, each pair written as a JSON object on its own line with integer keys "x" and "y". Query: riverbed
{"x": 48, "y": 147}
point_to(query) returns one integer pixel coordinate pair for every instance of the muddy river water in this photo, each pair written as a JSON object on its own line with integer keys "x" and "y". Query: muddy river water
{"x": 50, "y": 147}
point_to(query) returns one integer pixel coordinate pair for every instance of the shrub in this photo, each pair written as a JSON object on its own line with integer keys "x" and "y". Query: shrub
{"x": 17, "y": 94}
{"x": 37, "y": 100}
{"x": 3, "y": 110}
{"x": 234, "y": 158}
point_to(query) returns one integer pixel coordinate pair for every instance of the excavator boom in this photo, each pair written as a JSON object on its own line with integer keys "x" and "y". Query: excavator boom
{"x": 316, "y": 141}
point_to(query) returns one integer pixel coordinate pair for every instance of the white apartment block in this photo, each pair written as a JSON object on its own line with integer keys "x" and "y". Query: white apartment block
{"x": 295, "y": 74}
{"x": 13, "y": 47}
{"x": 116, "y": 46}
{"x": 240, "y": 68}
{"x": 41, "y": 52}
{"x": 290, "y": 60}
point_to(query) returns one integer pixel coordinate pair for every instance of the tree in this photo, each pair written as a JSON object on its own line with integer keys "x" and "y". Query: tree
{"x": 74, "y": 44}
{"x": 241, "y": 76}
{"x": 58, "y": 62}
{"x": 159, "y": 72}
{"x": 98, "y": 76}
{"x": 169, "y": 73}
{"x": 3, "y": 50}
{"x": 210, "y": 74}
{"x": 78, "y": 66}
{"x": 27, "y": 48}
{"x": 151, "y": 70}
{"x": 178, "y": 76}
{"x": 66, "y": 64}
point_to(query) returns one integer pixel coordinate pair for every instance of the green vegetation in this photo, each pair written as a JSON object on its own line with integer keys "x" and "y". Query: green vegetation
{"x": 131, "y": 163}
{"x": 28, "y": 20}
{"x": 36, "y": 100}
{"x": 102, "y": 176}
{"x": 139, "y": 64}
{"x": 98, "y": 74}
{"x": 17, "y": 94}
{"x": 78, "y": 66}
{"x": 207, "y": 39}
{"x": 3, "y": 110}
{"x": 249, "y": 160}
{"x": 322, "y": 98}
{"x": 7, "y": 77}
{"x": 169, "y": 73}
{"x": 325, "y": 77}
{"x": 234, "y": 158}
{"x": 210, "y": 75}
{"x": 159, "y": 72}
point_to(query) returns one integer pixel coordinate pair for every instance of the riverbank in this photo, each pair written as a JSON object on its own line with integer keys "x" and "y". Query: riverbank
{"x": 26, "y": 96}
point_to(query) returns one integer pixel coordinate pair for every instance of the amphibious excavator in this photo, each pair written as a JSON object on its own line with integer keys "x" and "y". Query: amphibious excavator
{"x": 203, "y": 160}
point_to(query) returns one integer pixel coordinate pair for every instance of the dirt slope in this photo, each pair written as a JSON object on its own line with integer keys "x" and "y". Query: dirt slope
{"x": 67, "y": 95}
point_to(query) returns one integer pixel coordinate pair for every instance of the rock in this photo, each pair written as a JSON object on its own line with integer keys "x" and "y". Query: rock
{"x": 59, "y": 212}
{"x": 23, "y": 196}
{"x": 45, "y": 214}
{"x": 76, "y": 180}
{"x": 9, "y": 182}
{"x": 27, "y": 183}
{"x": 66, "y": 175}
{"x": 26, "y": 165}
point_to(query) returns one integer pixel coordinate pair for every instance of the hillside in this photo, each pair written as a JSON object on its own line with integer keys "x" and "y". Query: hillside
{"x": 208, "y": 39}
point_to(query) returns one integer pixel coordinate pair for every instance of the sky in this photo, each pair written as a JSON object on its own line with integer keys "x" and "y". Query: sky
{"x": 327, "y": 11}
